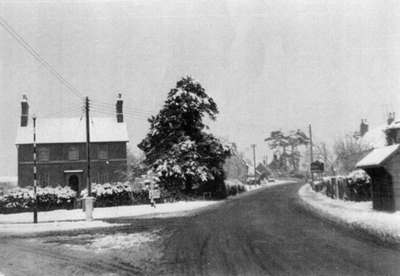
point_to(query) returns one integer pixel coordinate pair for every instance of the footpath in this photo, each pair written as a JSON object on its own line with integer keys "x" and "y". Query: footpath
{"x": 66, "y": 220}
{"x": 355, "y": 215}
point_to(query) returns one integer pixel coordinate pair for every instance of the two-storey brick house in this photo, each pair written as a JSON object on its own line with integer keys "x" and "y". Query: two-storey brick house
{"x": 61, "y": 149}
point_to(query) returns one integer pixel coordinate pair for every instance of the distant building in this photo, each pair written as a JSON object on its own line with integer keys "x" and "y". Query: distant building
{"x": 235, "y": 167}
{"x": 364, "y": 127}
{"x": 61, "y": 149}
{"x": 263, "y": 170}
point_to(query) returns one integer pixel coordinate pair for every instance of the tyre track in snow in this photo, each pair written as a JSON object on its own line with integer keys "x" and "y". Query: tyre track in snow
{"x": 267, "y": 233}
{"x": 86, "y": 264}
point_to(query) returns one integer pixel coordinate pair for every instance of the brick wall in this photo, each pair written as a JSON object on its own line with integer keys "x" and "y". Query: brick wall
{"x": 54, "y": 168}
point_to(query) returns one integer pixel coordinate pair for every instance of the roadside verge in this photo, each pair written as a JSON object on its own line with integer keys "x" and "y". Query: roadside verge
{"x": 358, "y": 216}
{"x": 69, "y": 220}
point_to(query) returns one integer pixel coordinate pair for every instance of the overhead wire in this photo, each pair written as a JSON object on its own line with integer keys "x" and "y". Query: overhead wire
{"x": 98, "y": 106}
{"x": 107, "y": 110}
{"x": 21, "y": 41}
{"x": 113, "y": 113}
{"x": 125, "y": 116}
{"x": 110, "y": 105}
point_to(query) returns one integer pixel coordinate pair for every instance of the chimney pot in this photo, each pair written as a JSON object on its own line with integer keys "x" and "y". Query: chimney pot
{"x": 24, "y": 111}
{"x": 119, "y": 109}
{"x": 391, "y": 118}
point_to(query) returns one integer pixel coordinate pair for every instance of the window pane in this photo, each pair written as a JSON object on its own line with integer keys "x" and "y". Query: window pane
{"x": 73, "y": 153}
{"x": 43, "y": 154}
{"x": 102, "y": 152}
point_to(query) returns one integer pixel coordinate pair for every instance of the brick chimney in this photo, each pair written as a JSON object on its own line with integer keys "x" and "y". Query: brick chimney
{"x": 391, "y": 118}
{"x": 24, "y": 111}
{"x": 363, "y": 127}
{"x": 118, "y": 107}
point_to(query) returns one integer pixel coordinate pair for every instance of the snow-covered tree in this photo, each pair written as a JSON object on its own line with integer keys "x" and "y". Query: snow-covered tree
{"x": 183, "y": 155}
{"x": 286, "y": 147}
{"x": 349, "y": 151}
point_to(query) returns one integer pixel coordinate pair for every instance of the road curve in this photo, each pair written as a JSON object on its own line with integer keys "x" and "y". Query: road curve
{"x": 266, "y": 232}
{"x": 263, "y": 232}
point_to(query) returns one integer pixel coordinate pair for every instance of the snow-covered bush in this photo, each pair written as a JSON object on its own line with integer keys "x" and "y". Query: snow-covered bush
{"x": 234, "y": 187}
{"x": 113, "y": 194}
{"x": 49, "y": 198}
{"x": 359, "y": 184}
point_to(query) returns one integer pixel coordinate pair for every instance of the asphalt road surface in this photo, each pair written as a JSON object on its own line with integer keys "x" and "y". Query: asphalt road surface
{"x": 263, "y": 232}
{"x": 267, "y": 233}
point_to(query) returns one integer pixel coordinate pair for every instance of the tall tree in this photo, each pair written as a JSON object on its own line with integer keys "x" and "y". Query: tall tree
{"x": 286, "y": 147}
{"x": 185, "y": 156}
{"x": 349, "y": 151}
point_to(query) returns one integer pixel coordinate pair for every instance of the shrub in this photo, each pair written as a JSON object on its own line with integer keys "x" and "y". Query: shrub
{"x": 112, "y": 194}
{"x": 49, "y": 198}
{"x": 117, "y": 194}
{"x": 234, "y": 187}
{"x": 359, "y": 185}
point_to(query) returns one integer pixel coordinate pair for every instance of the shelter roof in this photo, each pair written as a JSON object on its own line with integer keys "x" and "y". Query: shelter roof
{"x": 377, "y": 156}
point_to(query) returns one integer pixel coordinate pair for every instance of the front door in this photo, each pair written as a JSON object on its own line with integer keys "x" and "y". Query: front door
{"x": 73, "y": 182}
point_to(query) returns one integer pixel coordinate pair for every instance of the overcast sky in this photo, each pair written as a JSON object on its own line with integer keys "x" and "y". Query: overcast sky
{"x": 268, "y": 64}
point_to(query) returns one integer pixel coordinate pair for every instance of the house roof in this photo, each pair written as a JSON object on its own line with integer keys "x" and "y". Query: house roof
{"x": 394, "y": 125}
{"x": 73, "y": 130}
{"x": 375, "y": 138}
{"x": 377, "y": 156}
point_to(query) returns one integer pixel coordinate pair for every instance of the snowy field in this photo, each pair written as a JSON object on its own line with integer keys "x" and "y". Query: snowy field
{"x": 11, "y": 179}
{"x": 8, "y": 182}
{"x": 357, "y": 215}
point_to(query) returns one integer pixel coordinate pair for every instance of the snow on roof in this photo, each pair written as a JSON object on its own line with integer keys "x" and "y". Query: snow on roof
{"x": 375, "y": 138}
{"x": 394, "y": 125}
{"x": 73, "y": 130}
{"x": 377, "y": 156}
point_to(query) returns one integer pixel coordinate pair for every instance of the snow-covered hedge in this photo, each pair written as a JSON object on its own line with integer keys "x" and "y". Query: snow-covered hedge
{"x": 49, "y": 198}
{"x": 117, "y": 194}
{"x": 356, "y": 186}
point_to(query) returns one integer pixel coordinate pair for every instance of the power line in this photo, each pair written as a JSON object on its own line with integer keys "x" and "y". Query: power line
{"x": 127, "y": 115}
{"x": 129, "y": 112}
{"x": 21, "y": 41}
{"x": 110, "y": 105}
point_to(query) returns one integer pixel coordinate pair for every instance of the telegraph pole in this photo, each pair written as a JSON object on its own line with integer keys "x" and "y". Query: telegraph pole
{"x": 254, "y": 159}
{"x": 34, "y": 172}
{"x": 88, "y": 184}
{"x": 88, "y": 199}
{"x": 311, "y": 153}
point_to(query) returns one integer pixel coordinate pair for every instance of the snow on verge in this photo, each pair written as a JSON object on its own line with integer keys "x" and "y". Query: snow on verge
{"x": 165, "y": 209}
{"x": 100, "y": 243}
{"x": 356, "y": 215}
{"x": 20, "y": 229}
